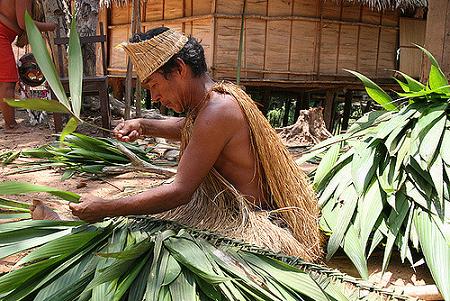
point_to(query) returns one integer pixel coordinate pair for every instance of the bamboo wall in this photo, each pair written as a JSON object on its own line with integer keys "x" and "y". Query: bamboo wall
{"x": 284, "y": 40}
{"x": 412, "y": 31}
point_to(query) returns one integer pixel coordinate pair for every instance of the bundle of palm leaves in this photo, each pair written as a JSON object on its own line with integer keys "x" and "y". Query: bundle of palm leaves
{"x": 146, "y": 259}
{"x": 390, "y": 185}
{"x": 82, "y": 154}
{"x": 11, "y": 209}
{"x": 143, "y": 258}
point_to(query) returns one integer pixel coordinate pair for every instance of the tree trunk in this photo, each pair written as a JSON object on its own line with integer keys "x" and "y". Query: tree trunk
{"x": 87, "y": 11}
{"x": 56, "y": 11}
{"x": 308, "y": 130}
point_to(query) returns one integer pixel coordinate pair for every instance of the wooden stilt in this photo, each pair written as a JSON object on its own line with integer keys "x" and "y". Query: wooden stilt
{"x": 298, "y": 105}
{"x": 347, "y": 109}
{"x": 266, "y": 100}
{"x": 329, "y": 109}
{"x": 287, "y": 107}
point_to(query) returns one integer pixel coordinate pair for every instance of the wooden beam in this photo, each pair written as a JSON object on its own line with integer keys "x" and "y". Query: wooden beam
{"x": 257, "y": 17}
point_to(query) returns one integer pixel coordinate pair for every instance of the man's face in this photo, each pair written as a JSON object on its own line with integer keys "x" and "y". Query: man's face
{"x": 164, "y": 90}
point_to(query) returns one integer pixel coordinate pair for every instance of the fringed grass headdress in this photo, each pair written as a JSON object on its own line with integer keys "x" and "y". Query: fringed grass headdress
{"x": 149, "y": 55}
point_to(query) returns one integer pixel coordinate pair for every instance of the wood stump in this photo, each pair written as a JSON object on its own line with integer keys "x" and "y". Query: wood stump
{"x": 309, "y": 129}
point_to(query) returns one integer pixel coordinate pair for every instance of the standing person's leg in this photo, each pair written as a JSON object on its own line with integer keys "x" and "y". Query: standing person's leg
{"x": 8, "y": 74}
{"x": 7, "y": 91}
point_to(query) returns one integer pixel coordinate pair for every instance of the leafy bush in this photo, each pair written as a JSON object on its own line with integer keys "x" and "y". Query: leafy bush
{"x": 390, "y": 185}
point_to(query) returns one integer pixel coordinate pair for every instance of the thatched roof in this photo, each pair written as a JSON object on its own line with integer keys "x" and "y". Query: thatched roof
{"x": 391, "y": 4}
{"x": 374, "y": 4}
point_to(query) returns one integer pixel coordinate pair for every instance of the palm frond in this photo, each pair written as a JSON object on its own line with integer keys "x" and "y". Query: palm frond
{"x": 391, "y": 186}
{"x": 78, "y": 153}
{"x": 143, "y": 258}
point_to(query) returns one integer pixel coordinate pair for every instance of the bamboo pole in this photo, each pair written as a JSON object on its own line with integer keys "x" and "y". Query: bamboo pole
{"x": 266, "y": 33}
{"x": 129, "y": 77}
{"x": 241, "y": 45}
{"x": 138, "y": 82}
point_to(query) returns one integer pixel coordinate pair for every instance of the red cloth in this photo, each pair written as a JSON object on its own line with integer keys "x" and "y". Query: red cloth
{"x": 8, "y": 66}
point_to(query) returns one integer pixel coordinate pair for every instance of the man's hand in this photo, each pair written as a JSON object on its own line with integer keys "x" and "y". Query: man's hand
{"x": 90, "y": 209}
{"x": 129, "y": 130}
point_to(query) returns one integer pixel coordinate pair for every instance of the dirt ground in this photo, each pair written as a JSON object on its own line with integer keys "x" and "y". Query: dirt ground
{"x": 398, "y": 274}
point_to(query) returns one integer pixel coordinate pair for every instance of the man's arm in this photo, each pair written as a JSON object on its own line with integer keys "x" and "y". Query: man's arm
{"x": 169, "y": 128}
{"x": 21, "y": 6}
{"x": 213, "y": 129}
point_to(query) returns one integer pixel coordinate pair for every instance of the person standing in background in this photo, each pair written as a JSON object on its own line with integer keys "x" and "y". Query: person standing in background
{"x": 12, "y": 23}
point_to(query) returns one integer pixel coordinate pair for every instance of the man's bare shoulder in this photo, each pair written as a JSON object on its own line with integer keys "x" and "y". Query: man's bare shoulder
{"x": 222, "y": 107}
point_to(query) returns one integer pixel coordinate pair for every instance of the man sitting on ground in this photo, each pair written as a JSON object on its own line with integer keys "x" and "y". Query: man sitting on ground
{"x": 234, "y": 177}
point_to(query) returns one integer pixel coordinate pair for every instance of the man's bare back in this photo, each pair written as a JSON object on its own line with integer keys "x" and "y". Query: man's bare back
{"x": 236, "y": 162}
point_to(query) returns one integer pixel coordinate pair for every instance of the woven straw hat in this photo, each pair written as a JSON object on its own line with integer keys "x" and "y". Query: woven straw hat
{"x": 149, "y": 55}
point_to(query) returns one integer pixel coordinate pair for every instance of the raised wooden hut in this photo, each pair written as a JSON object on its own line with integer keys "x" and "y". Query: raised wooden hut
{"x": 287, "y": 44}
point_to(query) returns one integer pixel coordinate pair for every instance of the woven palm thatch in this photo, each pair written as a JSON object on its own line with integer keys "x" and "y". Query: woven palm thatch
{"x": 391, "y": 4}
{"x": 149, "y": 55}
{"x": 218, "y": 206}
{"x": 374, "y": 4}
{"x": 142, "y": 258}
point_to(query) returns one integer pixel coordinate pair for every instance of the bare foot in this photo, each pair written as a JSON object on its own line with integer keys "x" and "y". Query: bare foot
{"x": 39, "y": 211}
{"x": 15, "y": 129}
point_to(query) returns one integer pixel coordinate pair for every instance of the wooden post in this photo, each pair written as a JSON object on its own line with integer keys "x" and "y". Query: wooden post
{"x": 266, "y": 100}
{"x": 287, "y": 107}
{"x": 305, "y": 101}
{"x": 328, "y": 111}
{"x": 138, "y": 103}
{"x": 298, "y": 105}
{"x": 347, "y": 109}
{"x": 437, "y": 36}
{"x": 129, "y": 79}
{"x": 241, "y": 45}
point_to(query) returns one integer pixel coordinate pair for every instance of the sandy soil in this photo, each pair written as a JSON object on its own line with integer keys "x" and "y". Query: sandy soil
{"x": 399, "y": 274}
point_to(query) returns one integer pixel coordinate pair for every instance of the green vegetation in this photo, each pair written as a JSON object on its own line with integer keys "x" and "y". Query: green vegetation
{"x": 390, "y": 184}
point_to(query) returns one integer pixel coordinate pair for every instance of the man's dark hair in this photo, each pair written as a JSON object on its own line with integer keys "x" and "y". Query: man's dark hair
{"x": 192, "y": 53}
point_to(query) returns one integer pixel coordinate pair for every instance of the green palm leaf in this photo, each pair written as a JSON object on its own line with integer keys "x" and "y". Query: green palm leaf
{"x": 375, "y": 92}
{"x": 437, "y": 77}
{"x": 435, "y": 249}
{"x": 14, "y": 205}
{"x": 21, "y": 188}
{"x": 48, "y": 105}
{"x": 114, "y": 260}
{"x": 411, "y": 84}
{"x": 44, "y": 61}
{"x": 75, "y": 68}
{"x": 399, "y": 167}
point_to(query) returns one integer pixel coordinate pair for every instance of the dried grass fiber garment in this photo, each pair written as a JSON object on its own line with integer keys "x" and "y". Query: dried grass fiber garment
{"x": 217, "y": 206}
